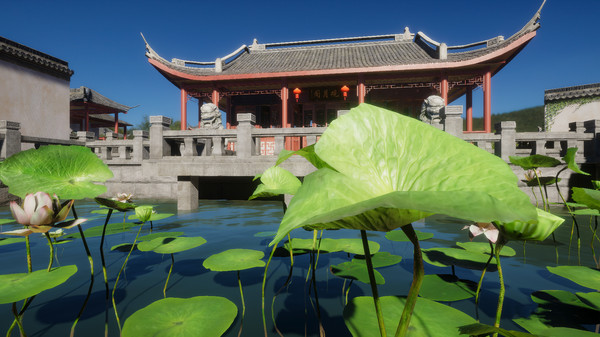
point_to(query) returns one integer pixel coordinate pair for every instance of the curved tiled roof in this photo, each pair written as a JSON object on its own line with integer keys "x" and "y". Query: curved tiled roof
{"x": 345, "y": 53}
{"x": 578, "y": 91}
{"x": 17, "y": 53}
{"x": 85, "y": 94}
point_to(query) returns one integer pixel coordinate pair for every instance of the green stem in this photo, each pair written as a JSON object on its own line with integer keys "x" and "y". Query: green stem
{"x": 481, "y": 280}
{"x": 89, "y": 256}
{"x": 263, "y": 289}
{"x": 27, "y": 300}
{"x": 107, "y": 290}
{"x": 51, "y": 250}
{"x": 18, "y": 320}
{"x": 119, "y": 275}
{"x": 168, "y": 276}
{"x": 28, "y": 250}
{"x": 373, "y": 283}
{"x": 243, "y": 304}
{"x": 544, "y": 201}
{"x": 502, "y": 291}
{"x": 418, "y": 274}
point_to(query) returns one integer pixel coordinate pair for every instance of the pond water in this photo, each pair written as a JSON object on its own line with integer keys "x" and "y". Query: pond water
{"x": 233, "y": 224}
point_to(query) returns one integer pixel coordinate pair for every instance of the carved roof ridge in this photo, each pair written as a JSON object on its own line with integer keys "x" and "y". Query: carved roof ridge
{"x": 17, "y": 53}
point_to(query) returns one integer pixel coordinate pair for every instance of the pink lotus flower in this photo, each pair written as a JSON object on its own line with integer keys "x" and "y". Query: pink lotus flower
{"x": 40, "y": 213}
{"x": 489, "y": 230}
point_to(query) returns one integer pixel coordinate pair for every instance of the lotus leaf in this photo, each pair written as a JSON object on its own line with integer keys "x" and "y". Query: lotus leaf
{"x": 543, "y": 181}
{"x": 355, "y": 271}
{"x": 429, "y": 318}
{"x": 399, "y": 235}
{"x": 379, "y": 260}
{"x": 569, "y": 158}
{"x": 235, "y": 259}
{"x": 153, "y": 217}
{"x": 546, "y": 297}
{"x": 587, "y": 211}
{"x": 3, "y": 221}
{"x": 584, "y": 276}
{"x": 308, "y": 152}
{"x": 590, "y": 299}
{"x": 265, "y": 234}
{"x": 484, "y": 248}
{"x": 116, "y": 205}
{"x": 112, "y": 228}
{"x": 153, "y": 236}
{"x": 447, "y": 288}
{"x": 536, "y": 230}
{"x": 8, "y": 241}
{"x": 350, "y": 246}
{"x": 588, "y": 197}
{"x": 446, "y": 257}
{"x": 67, "y": 171}
{"x": 387, "y": 177}
{"x": 17, "y": 287}
{"x": 479, "y": 329}
{"x": 534, "y": 161}
{"x": 275, "y": 181}
{"x": 171, "y": 245}
{"x": 205, "y": 316}
{"x": 534, "y": 325}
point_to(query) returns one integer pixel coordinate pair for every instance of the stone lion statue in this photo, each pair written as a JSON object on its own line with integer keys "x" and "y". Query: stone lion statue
{"x": 210, "y": 116}
{"x": 431, "y": 109}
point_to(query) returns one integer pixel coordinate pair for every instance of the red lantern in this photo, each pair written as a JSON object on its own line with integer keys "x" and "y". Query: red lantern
{"x": 297, "y": 92}
{"x": 345, "y": 90}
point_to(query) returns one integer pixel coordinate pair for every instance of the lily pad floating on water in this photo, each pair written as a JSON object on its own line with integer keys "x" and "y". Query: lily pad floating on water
{"x": 429, "y": 318}
{"x": 584, "y": 276}
{"x": 265, "y": 234}
{"x": 207, "y": 316}
{"x": 478, "y": 329}
{"x": 67, "y": 171}
{"x": 112, "y": 228}
{"x": 8, "y": 241}
{"x": 534, "y": 325}
{"x": 17, "y": 287}
{"x": 379, "y": 260}
{"x": 398, "y": 235}
{"x": 153, "y": 236}
{"x": 484, "y": 248}
{"x": 447, "y": 288}
{"x": 355, "y": 271}
{"x": 552, "y": 297}
{"x": 235, "y": 259}
{"x": 350, "y": 246}
{"x": 170, "y": 245}
{"x": 153, "y": 217}
{"x": 446, "y": 257}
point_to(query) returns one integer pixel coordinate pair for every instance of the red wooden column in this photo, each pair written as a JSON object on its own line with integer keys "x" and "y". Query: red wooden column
{"x": 469, "y": 109}
{"x": 215, "y": 97}
{"x": 284, "y": 106}
{"x": 487, "y": 102}
{"x": 116, "y": 123}
{"x": 444, "y": 89}
{"x": 361, "y": 90}
{"x": 183, "y": 109}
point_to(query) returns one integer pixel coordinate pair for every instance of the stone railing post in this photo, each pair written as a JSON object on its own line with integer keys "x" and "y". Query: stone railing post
{"x": 507, "y": 145}
{"x": 158, "y": 145}
{"x": 139, "y": 152}
{"x": 452, "y": 120}
{"x": 579, "y": 129}
{"x": 279, "y": 144}
{"x": 12, "y": 138}
{"x": 245, "y": 146}
{"x": 593, "y": 151}
{"x": 218, "y": 146}
{"x": 189, "y": 147}
{"x": 109, "y": 135}
{"x": 85, "y": 136}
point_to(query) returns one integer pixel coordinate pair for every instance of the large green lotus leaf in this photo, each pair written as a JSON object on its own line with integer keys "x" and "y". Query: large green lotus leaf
{"x": 484, "y": 248}
{"x": 478, "y": 329}
{"x": 534, "y": 325}
{"x": 536, "y": 230}
{"x": 534, "y": 161}
{"x": 17, "y": 287}
{"x": 355, "y": 271}
{"x": 235, "y": 259}
{"x": 562, "y": 332}
{"x": 115, "y": 204}
{"x": 111, "y": 228}
{"x": 379, "y": 260}
{"x": 399, "y": 235}
{"x": 548, "y": 297}
{"x": 446, "y": 288}
{"x": 587, "y": 211}
{"x": 588, "y": 197}
{"x": 446, "y": 257}
{"x": 171, "y": 245}
{"x": 276, "y": 181}
{"x": 308, "y": 152}
{"x": 8, "y": 241}
{"x": 569, "y": 158}
{"x": 429, "y": 318}
{"x": 390, "y": 170}
{"x": 69, "y": 171}
{"x": 590, "y": 299}
{"x": 206, "y": 316}
{"x": 584, "y": 276}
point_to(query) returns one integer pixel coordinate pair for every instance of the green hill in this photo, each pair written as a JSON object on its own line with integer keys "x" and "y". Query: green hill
{"x": 527, "y": 119}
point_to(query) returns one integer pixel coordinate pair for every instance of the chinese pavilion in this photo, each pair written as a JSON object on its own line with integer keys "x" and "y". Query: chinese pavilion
{"x": 396, "y": 71}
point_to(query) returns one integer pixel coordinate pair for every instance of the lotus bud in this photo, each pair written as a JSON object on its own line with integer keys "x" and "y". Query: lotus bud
{"x": 124, "y": 197}
{"x": 531, "y": 174}
{"x": 489, "y": 230}
{"x": 143, "y": 213}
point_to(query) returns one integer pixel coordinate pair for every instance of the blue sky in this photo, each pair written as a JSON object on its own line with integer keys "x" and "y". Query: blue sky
{"x": 101, "y": 39}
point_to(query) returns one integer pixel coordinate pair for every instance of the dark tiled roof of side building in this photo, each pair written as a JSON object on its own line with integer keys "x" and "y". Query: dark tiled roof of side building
{"x": 577, "y": 91}
{"x": 88, "y": 95}
{"x": 19, "y": 54}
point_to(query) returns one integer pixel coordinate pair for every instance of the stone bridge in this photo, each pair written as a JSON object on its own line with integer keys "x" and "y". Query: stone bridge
{"x": 198, "y": 164}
